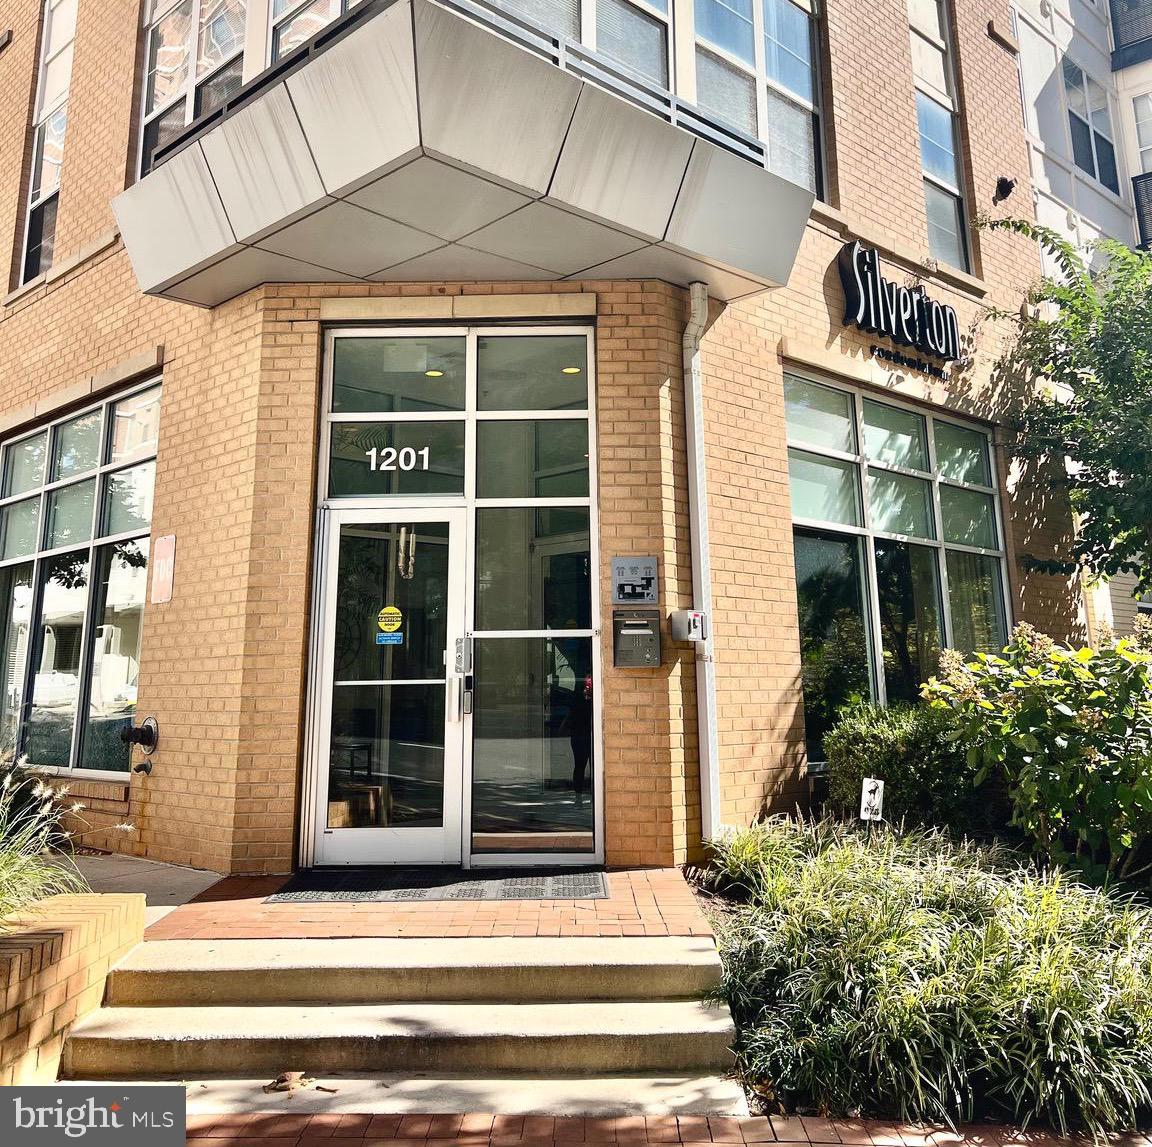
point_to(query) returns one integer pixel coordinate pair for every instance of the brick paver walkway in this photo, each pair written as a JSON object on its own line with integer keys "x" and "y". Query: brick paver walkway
{"x": 642, "y": 902}
{"x": 632, "y": 1131}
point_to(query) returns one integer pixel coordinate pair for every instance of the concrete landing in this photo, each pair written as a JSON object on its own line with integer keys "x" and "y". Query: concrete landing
{"x": 407, "y": 1094}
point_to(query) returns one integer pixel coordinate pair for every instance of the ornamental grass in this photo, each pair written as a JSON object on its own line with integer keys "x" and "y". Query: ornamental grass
{"x": 914, "y": 976}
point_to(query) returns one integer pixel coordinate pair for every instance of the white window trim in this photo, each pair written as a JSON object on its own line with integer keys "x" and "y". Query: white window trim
{"x": 870, "y": 534}
{"x": 95, "y": 542}
{"x": 1110, "y": 135}
{"x": 43, "y": 114}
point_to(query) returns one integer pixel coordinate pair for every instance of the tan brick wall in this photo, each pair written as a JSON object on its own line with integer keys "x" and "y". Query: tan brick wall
{"x": 53, "y": 965}
{"x": 223, "y": 666}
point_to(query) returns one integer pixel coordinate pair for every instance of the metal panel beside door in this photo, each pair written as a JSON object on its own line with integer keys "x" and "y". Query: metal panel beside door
{"x": 389, "y": 736}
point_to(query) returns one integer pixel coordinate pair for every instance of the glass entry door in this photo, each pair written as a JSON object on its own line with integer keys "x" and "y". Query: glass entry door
{"x": 455, "y": 708}
{"x": 391, "y": 739}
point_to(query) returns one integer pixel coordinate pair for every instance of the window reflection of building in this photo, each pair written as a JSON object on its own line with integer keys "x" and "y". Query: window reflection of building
{"x": 891, "y": 505}
{"x": 75, "y": 513}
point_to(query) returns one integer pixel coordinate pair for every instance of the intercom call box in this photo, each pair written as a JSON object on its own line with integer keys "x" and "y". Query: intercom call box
{"x": 636, "y": 639}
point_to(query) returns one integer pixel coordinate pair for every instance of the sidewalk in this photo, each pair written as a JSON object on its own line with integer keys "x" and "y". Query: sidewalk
{"x": 632, "y": 1131}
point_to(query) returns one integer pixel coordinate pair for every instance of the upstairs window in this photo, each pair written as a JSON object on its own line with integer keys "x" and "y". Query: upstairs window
{"x": 756, "y": 69}
{"x": 194, "y": 64}
{"x": 636, "y": 35}
{"x": 75, "y": 515}
{"x": 1142, "y": 110}
{"x": 938, "y": 125}
{"x": 1090, "y": 126}
{"x": 49, "y": 126}
{"x": 295, "y": 23}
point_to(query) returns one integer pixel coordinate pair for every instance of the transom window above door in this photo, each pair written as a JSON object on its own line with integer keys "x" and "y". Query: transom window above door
{"x": 490, "y": 416}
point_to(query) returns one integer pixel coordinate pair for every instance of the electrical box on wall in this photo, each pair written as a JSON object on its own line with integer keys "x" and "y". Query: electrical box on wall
{"x": 636, "y": 639}
{"x": 689, "y": 625}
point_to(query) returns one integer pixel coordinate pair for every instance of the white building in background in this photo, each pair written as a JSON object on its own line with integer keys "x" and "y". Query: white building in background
{"x": 1086, "y": 86}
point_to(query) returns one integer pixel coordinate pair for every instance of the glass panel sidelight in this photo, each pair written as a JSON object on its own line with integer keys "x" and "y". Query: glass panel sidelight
{"x": 386, "y": 749}
{"x": 532, "y": 745}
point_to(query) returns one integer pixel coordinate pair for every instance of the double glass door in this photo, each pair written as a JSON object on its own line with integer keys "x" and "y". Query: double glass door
{"x": 454, "y": 712}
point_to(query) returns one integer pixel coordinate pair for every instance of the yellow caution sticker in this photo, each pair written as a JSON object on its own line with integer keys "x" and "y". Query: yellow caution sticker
{"x": 390, "y": 619}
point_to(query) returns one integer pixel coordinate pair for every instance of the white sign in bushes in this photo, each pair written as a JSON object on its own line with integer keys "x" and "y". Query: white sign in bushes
{"x": 872, "y": 799}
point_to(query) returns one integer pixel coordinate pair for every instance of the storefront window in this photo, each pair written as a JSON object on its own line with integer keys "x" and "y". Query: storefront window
{"x": 73, "y": 576}
{"x": 898, "y": 546}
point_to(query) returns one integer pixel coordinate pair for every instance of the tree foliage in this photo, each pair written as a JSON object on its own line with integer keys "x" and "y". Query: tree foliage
{"x": 1086, "y": 339}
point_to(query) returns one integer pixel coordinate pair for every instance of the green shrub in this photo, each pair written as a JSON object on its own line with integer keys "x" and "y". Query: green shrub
{"x": 917, "y": 977}
{"x": 30, "y": 827}
{"x": 1070, "y": 731}
{"x": 928, "y": 779}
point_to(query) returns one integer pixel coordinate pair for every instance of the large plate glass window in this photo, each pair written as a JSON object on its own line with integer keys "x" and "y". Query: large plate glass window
{"x": 756, "y": 70}
{"x": 938, "y": 124}
{"x": 48, "y": 129}
{"x": 75, "y": 514}
{"x": 898, "y": 546}
{"x": 193, "y": 64}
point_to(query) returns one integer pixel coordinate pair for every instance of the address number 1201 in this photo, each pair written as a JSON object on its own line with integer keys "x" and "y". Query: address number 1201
{"x": 389, "y": 458}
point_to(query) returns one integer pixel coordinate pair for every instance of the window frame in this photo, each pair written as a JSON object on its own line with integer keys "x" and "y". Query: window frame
{"x": 946, "y": 100}
{"x": 1086, "y": 77}
{"x": 192, "y": 83}
{"x": 1143, "y": 151}
{"x": 93, "y": 547}
{"x": 762, "y": 82}
{"x": 44, "y": 113}
{"x": 868, "y": 532}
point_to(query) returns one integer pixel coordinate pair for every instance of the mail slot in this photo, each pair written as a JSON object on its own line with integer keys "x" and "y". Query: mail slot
{"x": 636, "y": 639}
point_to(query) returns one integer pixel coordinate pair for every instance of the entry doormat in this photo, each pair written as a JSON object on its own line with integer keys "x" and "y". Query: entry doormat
{"x": 385, "y": 885}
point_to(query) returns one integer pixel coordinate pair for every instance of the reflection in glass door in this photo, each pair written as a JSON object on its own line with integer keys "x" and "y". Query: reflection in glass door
{"x": 391, "y": 746}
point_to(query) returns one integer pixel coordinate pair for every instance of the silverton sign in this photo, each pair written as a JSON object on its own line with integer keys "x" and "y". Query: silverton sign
{"x": 905, "y": 314}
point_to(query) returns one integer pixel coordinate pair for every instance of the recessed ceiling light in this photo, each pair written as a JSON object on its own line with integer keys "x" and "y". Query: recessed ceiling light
{"x": 433, "y": 374}
{"x": 570, "y": 370}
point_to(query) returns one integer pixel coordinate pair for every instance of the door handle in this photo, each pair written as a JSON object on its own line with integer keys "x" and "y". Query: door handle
{"x": 467, "y": 694}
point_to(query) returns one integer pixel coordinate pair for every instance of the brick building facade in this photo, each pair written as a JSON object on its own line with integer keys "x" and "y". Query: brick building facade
{"x": 236, "y": 666}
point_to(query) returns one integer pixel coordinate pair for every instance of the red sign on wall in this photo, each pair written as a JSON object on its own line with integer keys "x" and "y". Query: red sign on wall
{"x": 163, "y": 568}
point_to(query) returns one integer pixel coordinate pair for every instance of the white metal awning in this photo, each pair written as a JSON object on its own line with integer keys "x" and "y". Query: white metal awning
{"x": 422, "y": 146}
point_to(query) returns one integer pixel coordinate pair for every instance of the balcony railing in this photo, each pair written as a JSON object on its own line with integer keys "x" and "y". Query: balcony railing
{"x": 1131, "y": 32}
{"x": 1142, "y": 198}
{"x": 568, "y": 54}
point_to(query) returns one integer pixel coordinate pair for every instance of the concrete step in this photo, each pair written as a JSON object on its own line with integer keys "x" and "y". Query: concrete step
{"x": 373, "y": 1093}
{"x": 597, "y": 1038}
{"x": 198, "y": 972}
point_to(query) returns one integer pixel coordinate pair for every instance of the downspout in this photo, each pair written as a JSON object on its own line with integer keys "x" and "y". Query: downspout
{"x": 707, "y": 737}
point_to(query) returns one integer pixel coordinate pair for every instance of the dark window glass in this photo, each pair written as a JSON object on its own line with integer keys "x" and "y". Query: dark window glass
{"x": 384, "y": 375}
{"x": 219, "y": 87}
{"x": 160, "y": 132}
{"x": 1082, "y": 144}
{"x": 119, "y": 613}
{"x": 907, "y": 585}
{"x": 531, "y": 573}
{"x": 374, "y": 459}
{"x": 532, "y": 459}
{"x": 976, "y": 603}
{"x": 15, "y": 634}
{"x": 1106, "y": 158}
{"x": 56, "y": 680}
{"x": 833, "y": 629}
{"x": 41, "y": 238}
{"x": 532, "y": 744}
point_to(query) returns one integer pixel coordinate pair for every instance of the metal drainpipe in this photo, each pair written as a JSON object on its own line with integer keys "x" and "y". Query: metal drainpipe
{"x": 709, "y": 743}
